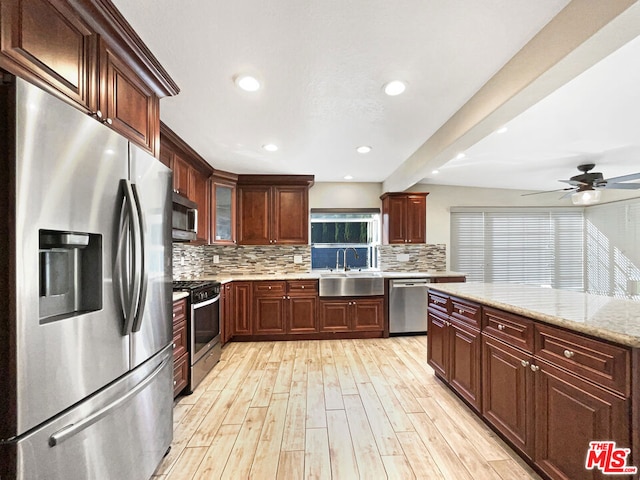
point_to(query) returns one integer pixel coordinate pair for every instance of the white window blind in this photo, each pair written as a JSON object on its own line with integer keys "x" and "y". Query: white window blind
{"x": 538, "y": 247}
{"x": 613, "y": 249}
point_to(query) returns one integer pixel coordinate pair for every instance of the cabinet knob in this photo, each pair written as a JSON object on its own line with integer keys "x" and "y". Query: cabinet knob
{"x": 174, "y": 315}
{"x": 173, "y": 345}
{"x": 175, "y": 383}
{"x": 524, "y": 363}
{"x": 284, "y": 297}
{"x": 569, "y": 353}
{"x": 461, "y": 311}
{"x": 409, "y": 241}
{"x": 288, "y": 297}
{"x": 535, "y": 368}
{"x": 302, "y": 287}
{"x": 269, "y": 287}
{"x": 108, "y": 121}
{"x": 500, "y": 327}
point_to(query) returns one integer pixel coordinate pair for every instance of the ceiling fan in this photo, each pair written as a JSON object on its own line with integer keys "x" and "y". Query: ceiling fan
{"x": 586, "y": 187}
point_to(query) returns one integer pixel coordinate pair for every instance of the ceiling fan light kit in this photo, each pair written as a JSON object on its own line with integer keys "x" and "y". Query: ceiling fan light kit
{"x": 586, "y": 197}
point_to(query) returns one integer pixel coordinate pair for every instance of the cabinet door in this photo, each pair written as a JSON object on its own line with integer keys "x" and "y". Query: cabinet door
{"x": 368, "y": 314}
{"x": 507, "y": 392}
{"x": 199, "y": 193}
{"x": 290, "y": 215}
{"x": 226, "y": 321}
{"x": 334, "y": 315}
{"x": 416, "y": 219}
{"x": 396, "y": 223}
{"x": 301, "y": 314}
{"x": 253, "y": 215}
{"x": 130, "y": 104}
{"x": 241, "y": 306}
{"x": 181, "y": 176}
{"x": 268, "y": 315}
{"x": 464, "y": 369}
{"x": 44, "y": 40}
{"x": 438, "y": 344}
{"x": 570, "y": 413}
{"x": 223, "y": 213}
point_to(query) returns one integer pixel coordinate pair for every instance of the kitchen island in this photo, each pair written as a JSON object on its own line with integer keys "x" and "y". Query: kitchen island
{"x": 549, "y": 370}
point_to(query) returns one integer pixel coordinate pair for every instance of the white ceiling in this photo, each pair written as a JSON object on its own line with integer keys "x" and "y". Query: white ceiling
{"x": 323, "y": 65}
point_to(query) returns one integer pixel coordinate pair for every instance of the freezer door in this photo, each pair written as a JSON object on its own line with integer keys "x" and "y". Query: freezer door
{"x": 152, "y": 328}
{"x": 121, "y": 433}
{"x": 68, "y": 340}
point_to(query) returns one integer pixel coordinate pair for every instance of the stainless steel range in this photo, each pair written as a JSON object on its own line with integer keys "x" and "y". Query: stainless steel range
{"x": 204, "y": 327}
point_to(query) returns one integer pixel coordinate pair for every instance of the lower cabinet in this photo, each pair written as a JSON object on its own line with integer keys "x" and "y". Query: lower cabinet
{"x": 549, "y": 397}
{"x": 180, "y": 347}
{"x": 240, "y": 311}
{"x": 352, "y": 314}
{"x": 453, "y": 351}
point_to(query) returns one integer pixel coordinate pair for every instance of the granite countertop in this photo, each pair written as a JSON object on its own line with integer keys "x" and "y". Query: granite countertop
{"x": 226, "y": 278}
{"x": 609, "y": 318}
{"x": 179, "y": 295}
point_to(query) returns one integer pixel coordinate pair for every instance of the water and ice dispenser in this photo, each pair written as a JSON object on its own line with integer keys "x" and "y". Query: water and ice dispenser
{"x": 70, "y": 274}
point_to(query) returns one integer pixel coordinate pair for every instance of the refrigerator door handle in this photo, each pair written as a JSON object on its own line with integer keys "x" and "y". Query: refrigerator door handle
{"x": 123, "y": 294}
{"x": 143, "y": 277}
{"x": 75, "y": 428}
{"x": 134, "y": 288}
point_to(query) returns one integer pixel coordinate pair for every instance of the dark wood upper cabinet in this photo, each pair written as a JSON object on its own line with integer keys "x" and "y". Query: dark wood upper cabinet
{"x": 273, "y": 209}
{"x": 126, "y": 103}
{"x": 199, "y": 193}
{"x": 404, "y": 217}
{"x": 48, "y": 43}
{"x": 223, "y": 207}
{"x": 87, "y": 54}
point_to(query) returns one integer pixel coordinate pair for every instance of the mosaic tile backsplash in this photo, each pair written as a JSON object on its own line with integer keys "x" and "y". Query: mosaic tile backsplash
{"x": 195, "y": 261}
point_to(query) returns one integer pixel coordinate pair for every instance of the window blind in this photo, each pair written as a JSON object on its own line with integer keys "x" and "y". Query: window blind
{"x": 538, "y": 247}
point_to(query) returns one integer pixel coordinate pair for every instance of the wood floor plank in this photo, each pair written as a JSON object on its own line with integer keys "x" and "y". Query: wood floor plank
{"x": 380, "y": 426}
{"x": 244, "y": 449}
{"x": 511, "y": 470}
{"x": 358, "y": 371}
{"x": 187, "y": 464}
{"x": 316, "y": 417}
{"x": 203, "y": 436}
{"x": 285, "y": 371}
{"x": 397, "y": 467}
{"x": 331, "y": 382}
{"x": 343, "y": 457}
{"x": 317, "y": 465}
{"x": 291, "y": 465}
{"x": 347, "y": 382}
{"x": 215, "y": 460}
{"x": 266, "y": 385}
{"x": 265, "y": 462}
{"x": 364, "y": 444}
{"x": 422, "y": 464}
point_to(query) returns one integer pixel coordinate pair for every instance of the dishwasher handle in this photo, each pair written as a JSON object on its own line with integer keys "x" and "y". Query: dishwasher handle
{"x": 411, "y": 283}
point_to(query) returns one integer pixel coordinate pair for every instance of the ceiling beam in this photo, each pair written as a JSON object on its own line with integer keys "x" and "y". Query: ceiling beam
{"x": 582, "y": 34}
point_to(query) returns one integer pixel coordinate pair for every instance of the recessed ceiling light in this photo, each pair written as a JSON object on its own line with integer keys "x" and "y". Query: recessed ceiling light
{"x": 502, "y": 130}
{"x": 395, "y": 87}
{"x": 348, "y": 177}
{"x": 270, "y": 147}
{"x": 363, "y": 149}
{"x": 460, "y": 155}
{"x": 247, "y": 83}
{"x": 435, "y": 172}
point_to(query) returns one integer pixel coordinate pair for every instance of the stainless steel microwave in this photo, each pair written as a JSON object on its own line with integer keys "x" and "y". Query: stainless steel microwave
{"x": 184, "y": 219}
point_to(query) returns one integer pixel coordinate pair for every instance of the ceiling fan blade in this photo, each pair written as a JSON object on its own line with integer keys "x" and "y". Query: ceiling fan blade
{"x": 622, "y": 186}
{"x": 546, "y": 191}
{"x": 624, "y": 178}
{"x": 575, "y": 183}
{"x": 569, "y": 193}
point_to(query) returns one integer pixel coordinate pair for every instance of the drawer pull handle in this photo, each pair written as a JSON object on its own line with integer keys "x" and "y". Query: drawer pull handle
{"x": 535, "y": 368}
{"x": 524, "y": 363}
{"x": 569, "y": 353}
{"x": 501, "y": 327}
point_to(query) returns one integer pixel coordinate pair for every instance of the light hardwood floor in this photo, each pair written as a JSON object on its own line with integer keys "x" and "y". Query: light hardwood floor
{"x": 341, "y": 409}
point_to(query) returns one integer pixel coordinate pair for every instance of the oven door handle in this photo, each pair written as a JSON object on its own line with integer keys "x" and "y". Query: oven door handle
{"x": 206, "y": 303}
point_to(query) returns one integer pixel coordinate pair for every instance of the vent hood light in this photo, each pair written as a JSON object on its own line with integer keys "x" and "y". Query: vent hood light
{"x": 395, "y": 87}
{"x": 348, "y": 177}
{"x": 363, "y": 149}
{"x": 270, "y": 147}
{"x": 435, "y": 172}
{"x": 502, "y": 130}
{"x": 247, "y": 83}
{"x": 586, "y": 197}
{"x": 460, "y": 156}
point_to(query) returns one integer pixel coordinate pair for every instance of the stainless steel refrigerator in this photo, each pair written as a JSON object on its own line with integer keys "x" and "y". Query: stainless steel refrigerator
{"x": 85, "y": 332}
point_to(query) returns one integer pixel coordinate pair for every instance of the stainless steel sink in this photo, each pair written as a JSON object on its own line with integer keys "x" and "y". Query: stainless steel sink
{"x": 351, "y": 284}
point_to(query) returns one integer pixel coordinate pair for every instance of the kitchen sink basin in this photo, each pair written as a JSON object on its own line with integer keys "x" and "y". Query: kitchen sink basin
{"x": 351, "y": 284}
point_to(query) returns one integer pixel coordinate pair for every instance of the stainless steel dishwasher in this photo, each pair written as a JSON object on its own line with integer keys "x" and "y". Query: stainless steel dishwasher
{"x": 408, "y": 306}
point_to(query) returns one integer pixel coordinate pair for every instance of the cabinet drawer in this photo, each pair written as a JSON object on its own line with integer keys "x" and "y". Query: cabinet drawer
{"x": 275, "y": 288}
{"x": 602, "y": 363}
{"x": 180, "y": 344}
{"x": 466, "y": 312}
{"x": 512, "y": 329}
{"x": 303, "y": 287}
{"x": 179, "y": 311}
{"x": 438, "y": 301}
{"x": 180, "y": 374}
